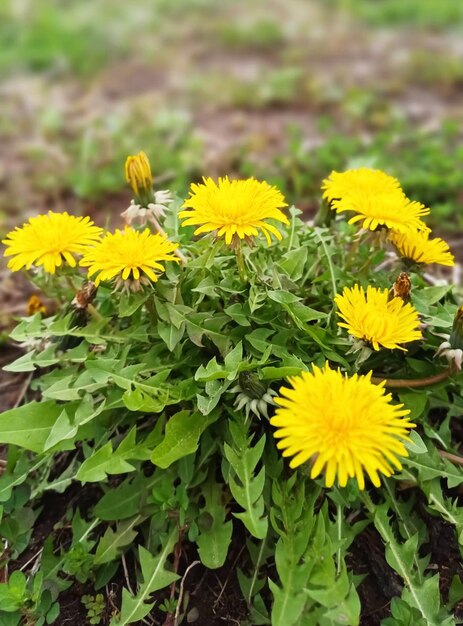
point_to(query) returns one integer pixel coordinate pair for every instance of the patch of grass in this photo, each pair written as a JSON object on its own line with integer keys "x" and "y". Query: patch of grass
{"x": 44, "y": 37}
{"x": 270, "y": 87}
{"x": 423, "y": 13}
{"x": 435, "y": 69}
{"x": 82, "y": 38}
{"x": 261, "y": 34}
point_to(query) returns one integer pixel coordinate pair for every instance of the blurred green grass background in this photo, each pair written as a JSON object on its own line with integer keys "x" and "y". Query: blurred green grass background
{"x": 285, "y": 90}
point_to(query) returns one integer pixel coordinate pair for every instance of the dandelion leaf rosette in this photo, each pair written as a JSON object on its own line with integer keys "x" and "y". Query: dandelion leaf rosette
{"x": 222, "y": 392}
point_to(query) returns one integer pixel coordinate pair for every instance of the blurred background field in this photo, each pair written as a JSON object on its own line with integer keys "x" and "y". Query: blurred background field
{"x": 285, "y": 90}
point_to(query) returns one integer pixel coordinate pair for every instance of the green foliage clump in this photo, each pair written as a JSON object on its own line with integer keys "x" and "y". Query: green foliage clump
{"x": 139, "y": 410}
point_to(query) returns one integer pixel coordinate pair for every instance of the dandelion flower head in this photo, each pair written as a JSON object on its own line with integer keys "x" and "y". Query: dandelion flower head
{"x": 346, "y": 425}
{"x": 234, "y": 208}
{"x": 375, "y": 197}
{"x": 50, "y": 240}
{"x": 363, "y": 180}
{"x": 129, "y": 255}
{"x": 418, "y": 247}
{"x": 377, "y": 319}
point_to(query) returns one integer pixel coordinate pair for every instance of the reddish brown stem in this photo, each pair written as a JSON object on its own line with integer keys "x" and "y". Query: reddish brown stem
{"x": 400, "y": 383}
{"x": 169, "y": 621}
{"x": 458, "y": 460}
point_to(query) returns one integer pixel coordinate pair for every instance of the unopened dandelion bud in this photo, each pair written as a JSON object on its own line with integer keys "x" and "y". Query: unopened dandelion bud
{"x": 456, "y": 336}
{"x": 253, "y": 395}
{"x": 138, "y": 175}
{"x": 251, "y": 385}
{"x": 452, "y": 347}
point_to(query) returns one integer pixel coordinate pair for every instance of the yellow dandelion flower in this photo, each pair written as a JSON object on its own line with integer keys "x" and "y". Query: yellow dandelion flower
{"x": 418, "y": 247}
{"x": 129, "y": 256}
{"x": 234, "y": 208}
{"x": 347, "y": 426}
{"x": 376, "y": 197}
{"x": 48, "y": 240}
{"x": 373, "y": 317}
{"x": 364, "y": 180}
{"x": 138, "y": 175}
{"x": 393, "y": 210}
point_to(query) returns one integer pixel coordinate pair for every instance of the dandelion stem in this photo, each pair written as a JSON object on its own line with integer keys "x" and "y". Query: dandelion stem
{"x": 94, "y": 313}
{"x": 159, "y": 229}
{"x": 293, "y": 229}
{"x": 70, "y": 284}
{"x": 328, "y": 258}
{"x": 400, "y": 383}
{"x": 458, "y": 460}
{"x": 240, "y": 263}
{"x": 339, "y": 518}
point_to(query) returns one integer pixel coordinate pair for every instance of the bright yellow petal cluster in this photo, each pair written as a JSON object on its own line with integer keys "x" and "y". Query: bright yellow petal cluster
{"x": 49, "y": 240}
{"x": 418, "y": 247}
{"x": 347, "y": 426}
{"x": 375, "y": 197}
{"x": 138, "y": 173}
{"x": 129, "y": 255}
{"x": 364, "y": 180}
{"x": 234, "y": 208}
{"x": 373, "y": 317}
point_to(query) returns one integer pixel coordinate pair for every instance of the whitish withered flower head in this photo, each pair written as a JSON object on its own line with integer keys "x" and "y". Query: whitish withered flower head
{"x": 151, "y": 213}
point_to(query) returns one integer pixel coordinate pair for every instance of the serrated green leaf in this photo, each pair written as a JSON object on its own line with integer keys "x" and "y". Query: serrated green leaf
{"x": 401, "y": 558}
{"x": 63, "y": 433}
{"x": 113, "y": 540}
{"x": 101, "y": 464}
{"x": 126, "y": 499}
{"x": 25, "y": 363}
{"x": 247, "y": 488}
{"x": 416, "y": 444}
{"x": 30, "y": 425}
{"x": 62, "y": 390}
{"x": 155, "y": 577}
{"x": 170, "y": 334}
{"x": 215, "y": 538}
{"x": 183, "y": 431}
{"x": 129, "y": 303}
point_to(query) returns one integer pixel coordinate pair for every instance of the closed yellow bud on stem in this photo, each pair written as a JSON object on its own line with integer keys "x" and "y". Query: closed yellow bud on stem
{"x": 138, "y": 175}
